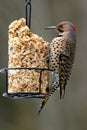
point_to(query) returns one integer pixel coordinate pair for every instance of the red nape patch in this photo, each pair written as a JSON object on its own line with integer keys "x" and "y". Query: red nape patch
{"x": 74, "y": 28}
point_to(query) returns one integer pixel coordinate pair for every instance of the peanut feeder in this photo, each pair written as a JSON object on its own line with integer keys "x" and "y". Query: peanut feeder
{"x": 26, "y": 50}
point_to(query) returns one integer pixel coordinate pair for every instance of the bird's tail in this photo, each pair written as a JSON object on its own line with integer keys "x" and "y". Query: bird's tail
{"x": 43, "y": 104}
{"x": 62, "y": 92}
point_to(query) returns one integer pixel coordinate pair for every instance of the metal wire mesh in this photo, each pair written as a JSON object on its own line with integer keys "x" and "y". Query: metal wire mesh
{"x": 15, "y": 95}
{"x": 25, "y": 94}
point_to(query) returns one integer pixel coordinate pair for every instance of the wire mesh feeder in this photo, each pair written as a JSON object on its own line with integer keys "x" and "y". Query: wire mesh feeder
{"x": 18, "y": 95}
{"x": 21, "y": 81}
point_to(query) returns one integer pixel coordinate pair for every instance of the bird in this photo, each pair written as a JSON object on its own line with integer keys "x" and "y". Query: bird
{"x": 61, "y": 57}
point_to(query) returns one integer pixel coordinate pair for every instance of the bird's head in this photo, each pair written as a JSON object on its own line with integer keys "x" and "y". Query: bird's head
{"x": 63, "y": 27}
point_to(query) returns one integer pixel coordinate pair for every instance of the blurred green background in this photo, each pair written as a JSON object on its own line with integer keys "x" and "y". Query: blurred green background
{"x": 69, "y": 113}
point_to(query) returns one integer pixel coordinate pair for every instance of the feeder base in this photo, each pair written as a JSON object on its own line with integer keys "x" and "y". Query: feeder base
{"x": 24, "y": 95}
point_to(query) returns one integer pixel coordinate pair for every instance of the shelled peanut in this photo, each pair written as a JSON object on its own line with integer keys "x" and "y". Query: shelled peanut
{"x": 26, "y": 50}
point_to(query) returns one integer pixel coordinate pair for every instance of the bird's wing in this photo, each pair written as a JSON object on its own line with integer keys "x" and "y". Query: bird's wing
{"x": 64, "y": 72}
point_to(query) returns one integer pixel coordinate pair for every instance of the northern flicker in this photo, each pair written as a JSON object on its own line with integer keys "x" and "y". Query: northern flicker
{"x": 62, "y": 52}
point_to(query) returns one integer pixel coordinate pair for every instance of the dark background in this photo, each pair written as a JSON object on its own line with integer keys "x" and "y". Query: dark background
{"x": 69, "y": 113}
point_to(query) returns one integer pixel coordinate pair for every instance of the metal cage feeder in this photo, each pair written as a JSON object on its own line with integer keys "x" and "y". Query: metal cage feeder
{"x": 18, "y": 95}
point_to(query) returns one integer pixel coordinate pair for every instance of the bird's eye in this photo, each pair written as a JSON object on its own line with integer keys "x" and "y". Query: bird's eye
{"x": 61, "y": 26}
{"x": 60, "y": 30}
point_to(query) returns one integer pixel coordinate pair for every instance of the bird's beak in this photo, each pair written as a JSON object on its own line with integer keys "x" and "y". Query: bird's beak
{"x": 50, "y": 28}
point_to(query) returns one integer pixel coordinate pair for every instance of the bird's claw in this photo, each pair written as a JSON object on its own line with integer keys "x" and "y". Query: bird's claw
{"x": 47, "y": 58}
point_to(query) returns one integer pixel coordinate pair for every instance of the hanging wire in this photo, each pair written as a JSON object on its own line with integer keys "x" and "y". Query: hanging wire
{"x": 28, "y": 13}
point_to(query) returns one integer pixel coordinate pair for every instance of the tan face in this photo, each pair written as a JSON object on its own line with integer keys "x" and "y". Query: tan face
{"x": 65, "y": 26}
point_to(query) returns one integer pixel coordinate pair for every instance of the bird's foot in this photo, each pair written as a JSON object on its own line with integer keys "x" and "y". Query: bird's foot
{"x": 46, "y": 58}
